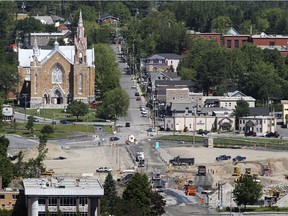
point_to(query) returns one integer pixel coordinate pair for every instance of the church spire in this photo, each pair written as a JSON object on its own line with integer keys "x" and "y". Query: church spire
{"x": 36, "y": 52}
{"x": 80, "y": 40}
{"x": 80, "y": 29}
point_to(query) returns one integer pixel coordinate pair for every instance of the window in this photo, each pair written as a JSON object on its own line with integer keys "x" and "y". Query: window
{"x": 2, "y": 196}
{"x": 236, "y": 43}
{"x": 83, "y": 200}
{"x": 41, "y": 201}
{"x": 229, "y": 104}
{"x": 15, "y": 197}
{"x": 271, "y": 43}
{"x": 240, "y": 121}
{"x": 80, "y": 83}
{"x": 52, "y": 201}
{"x": 67, "y": 201}
{"x": 228, "y": 43}
{"x": 57, "y": 75}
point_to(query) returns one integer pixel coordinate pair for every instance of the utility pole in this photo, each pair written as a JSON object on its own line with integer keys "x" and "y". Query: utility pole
{"x": 133, "y": 64}
{"x": 194, "y": 131}
{"x": 25, "y": 96}
{"x": 174, "y": 129}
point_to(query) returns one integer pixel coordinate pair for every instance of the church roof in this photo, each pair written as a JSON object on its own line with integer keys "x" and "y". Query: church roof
{"x": 68, "y": 52}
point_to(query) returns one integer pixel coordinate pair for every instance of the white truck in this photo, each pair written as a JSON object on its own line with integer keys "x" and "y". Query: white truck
{"x": 140, "y": 156}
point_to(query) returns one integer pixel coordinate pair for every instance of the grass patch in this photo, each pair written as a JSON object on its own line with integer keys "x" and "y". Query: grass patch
{"x": 59, "y": 114}
{"x": 276, "y": 144}
{"x": 182, "y": 138}
{"x": 61, "y": 131}
{"x": 258, "y": 209}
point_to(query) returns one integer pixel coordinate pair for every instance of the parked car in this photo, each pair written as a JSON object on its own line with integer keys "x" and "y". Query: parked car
{"x": 114, "y": 138}
{"x": 271, "y": 134}
{"x": 53, "y": 122}
{"x": 151, "y": 130}
{"x": 161, "y": 128}
{"x": 144, "y": 115}
{"x": 144, "y": 112}
{"x": 239, "y": 158}
{"x": 127, "y": 124}
{"x": 64, "y": 122}
{"x": 133, "y": 87}
{"x": 137, "y": 94}
{"x": 127, "y": 178}
{"x": 138, "y": 98}
{"x": 35, "y": 119}
{"x": 60, "y": 158}
{"x": 141, "y": 163}
{"x": 142, "y": 109}
{"x": 159, "y": 188}
{"x": 104, "y": 169}
{"x": 223, "y": 157}
{"x": 250, "y": 133}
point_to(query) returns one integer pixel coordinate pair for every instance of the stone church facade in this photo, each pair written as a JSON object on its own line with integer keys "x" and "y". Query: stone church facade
{"x": 53, "y": 78}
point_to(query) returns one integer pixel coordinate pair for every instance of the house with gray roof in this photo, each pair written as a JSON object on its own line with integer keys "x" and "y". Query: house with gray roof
{"x": 45, "y": 20}
{"x": 162, "y": 62}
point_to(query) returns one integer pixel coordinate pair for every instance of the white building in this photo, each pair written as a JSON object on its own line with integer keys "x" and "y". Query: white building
{"x": 258, "y": 124}
{"x": 195, "y": 123}
{"x": 66, "y": 195}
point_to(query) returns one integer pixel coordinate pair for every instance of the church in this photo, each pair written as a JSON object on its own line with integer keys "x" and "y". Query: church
{"x": 53, "y": 78}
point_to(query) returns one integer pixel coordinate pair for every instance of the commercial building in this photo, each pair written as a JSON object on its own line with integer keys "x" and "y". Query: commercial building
{"x": 71, "y": 197}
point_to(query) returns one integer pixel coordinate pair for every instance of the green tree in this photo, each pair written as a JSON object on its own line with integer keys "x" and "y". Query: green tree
{"x": 1, "y": 114}
{"x": 221, "y": 24}
{"x": 247, "y": 191}
{"x": 241, "y": 110}
{"x": 158, "y": 204}
{"x": 107, "y": 72}
{"x": 47, "y": 129}
{"x": 6, "y": 166}
{"x": 77, "y": 108}
{"x": 4, "y": 212}
{"x": 138, "y": 192}
{"x": 110, "y": 195}
{"x": 115, "y": 104}
{"x": 30, "y": 124}
{"x": 9, "y": 78}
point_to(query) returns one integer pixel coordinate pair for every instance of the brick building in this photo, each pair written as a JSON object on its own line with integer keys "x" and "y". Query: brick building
{"x": 235, "y": 41}
{"x": 55, "y": 77}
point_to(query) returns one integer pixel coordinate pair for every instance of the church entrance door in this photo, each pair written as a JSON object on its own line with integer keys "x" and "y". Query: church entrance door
{"x": 58, "y": 98}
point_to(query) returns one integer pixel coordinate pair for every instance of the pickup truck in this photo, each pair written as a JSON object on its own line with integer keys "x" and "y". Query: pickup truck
{"x": 178, "y": 161}
{"x": 104, "y": 169}
{"x": 223, "y": 157}
{"x": 239, "y": 158}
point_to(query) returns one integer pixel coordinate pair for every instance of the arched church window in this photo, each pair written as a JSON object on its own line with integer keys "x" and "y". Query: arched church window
{"x": 80, "y": 84}
{"x": 57, "y": 75}
{"x": 35, "y": 84}
{"x": 80, "y": 58}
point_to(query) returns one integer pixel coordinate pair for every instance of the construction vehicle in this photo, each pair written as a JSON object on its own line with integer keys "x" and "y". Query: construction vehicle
{"x": 190, "y": 190}
{"x": 236, "y": 171}
{"x": 47, "y": 172}
{"x": 178, "y": 161}
{"x": 201, "y": 171}
{"x": 140, "y": 156}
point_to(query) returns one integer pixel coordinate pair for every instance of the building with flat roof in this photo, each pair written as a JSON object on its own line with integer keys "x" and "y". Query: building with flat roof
{"x": 70, "y": 196}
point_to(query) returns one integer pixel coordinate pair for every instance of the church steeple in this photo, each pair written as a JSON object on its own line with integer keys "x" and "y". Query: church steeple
{"x": 36, "y": 51}
{"x": 80, "y": 41}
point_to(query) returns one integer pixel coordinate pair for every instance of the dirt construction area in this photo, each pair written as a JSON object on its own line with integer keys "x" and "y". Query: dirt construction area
{"x": 222, "y": 170}
{"x": 81, "y": 162}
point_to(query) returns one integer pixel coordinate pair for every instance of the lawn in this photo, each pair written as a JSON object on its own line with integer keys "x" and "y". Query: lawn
{"x": 60, "y": 130}
{"x": 277, "y": 144}
{"x": 59, "y": 114}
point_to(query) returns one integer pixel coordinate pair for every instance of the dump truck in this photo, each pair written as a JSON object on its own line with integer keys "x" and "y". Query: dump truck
{"x": 236, "y": 171}
{"x": 179, "y": 161}
{"x": 201, "y": 171}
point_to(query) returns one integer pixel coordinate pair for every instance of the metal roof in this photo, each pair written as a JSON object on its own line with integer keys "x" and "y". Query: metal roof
{"x": 68, "y": 52}
{"x": 63, "y": 187}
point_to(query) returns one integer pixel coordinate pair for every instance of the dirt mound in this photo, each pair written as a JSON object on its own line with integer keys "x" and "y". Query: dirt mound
{"x": 54, "y": 151}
